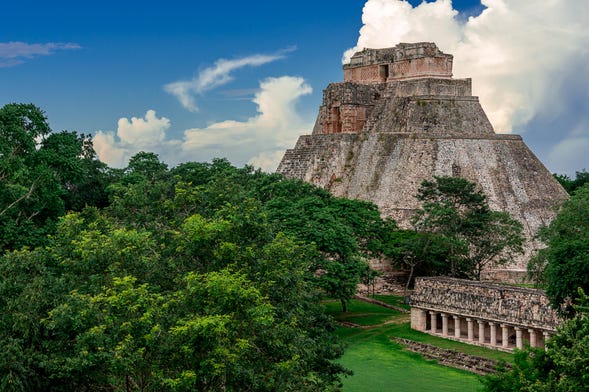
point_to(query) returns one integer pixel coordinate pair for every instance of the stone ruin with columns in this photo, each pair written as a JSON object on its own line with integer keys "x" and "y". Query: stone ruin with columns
{"x": 492, "y": 315}
{"x": 399, "y": 118}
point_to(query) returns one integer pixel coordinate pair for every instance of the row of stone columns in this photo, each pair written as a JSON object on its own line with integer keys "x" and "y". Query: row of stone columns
{"x": 533, "y": 334}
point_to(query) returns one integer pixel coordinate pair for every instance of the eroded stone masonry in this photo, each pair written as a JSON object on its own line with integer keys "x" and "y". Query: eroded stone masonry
{"x": 399, "y": 118}
{"x": 487, "y": 314}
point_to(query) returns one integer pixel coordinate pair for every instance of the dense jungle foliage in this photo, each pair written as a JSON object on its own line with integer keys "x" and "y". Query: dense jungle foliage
{"x": 200, "y": 277}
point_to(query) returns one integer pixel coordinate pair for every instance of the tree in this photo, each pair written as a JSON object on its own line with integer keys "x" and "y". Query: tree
{"x": 570, "y": 185}
{"x": 146, "y": 165}
{"x": 566, "y": 257}
{"x": 42, "y": 175}
{"x": 345, "y": 232}
{"x": 28, "y": 289}
{"x": 219, "y": 302}
{"x": 76, "y": 167}
{"x": 477, "y": 236}
{"x": 22, "y": 125}
{"x": 421, "y": 253}
{"x": 30, "y": 197}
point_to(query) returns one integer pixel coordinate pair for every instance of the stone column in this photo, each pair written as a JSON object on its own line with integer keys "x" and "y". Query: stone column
{"x": 444, "y": 324}
{"x": 434, "y": 321}
{"x": 504, "y": 335}
{"x": 418, "y": 319}
{"x": 493, "y": 333}
{"x": 519, "y": 343}
{"x": 481, "y": 331}
{"x": 470, "y": 329}
{"x": 546, "y": 337}
{"x": 456, "y": 326}
{"x": 532, "y": 333}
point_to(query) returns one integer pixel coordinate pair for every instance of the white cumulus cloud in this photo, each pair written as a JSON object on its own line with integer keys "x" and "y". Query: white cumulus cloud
{"x": 14, "y": 53}
{"x": 523, "y": 56}
{"x": 263, "y": 138}
{"x": 388, "y": 22}
{"x": 260, "y": 140}
{"x": 132, "y": 136}
{"x": 142, "y": 131}
{"x": 217, "y": 75}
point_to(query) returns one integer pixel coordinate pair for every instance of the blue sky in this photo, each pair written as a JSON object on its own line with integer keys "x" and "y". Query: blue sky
{"x": 253, "y": 72}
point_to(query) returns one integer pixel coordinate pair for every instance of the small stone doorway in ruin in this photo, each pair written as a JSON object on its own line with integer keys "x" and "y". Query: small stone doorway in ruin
{"x": 336, "y": 121}
{"x": 383, "y": 72}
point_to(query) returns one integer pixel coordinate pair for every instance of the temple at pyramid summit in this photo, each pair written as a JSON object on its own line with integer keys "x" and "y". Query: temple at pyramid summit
{"x": 399, "y": 118}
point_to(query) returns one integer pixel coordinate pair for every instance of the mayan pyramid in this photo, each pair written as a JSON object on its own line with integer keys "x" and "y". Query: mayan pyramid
{"x": 399, "y": 118}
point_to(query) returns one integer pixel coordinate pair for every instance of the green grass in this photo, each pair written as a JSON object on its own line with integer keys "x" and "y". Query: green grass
{"x": 392, "y": 300}
{"x": 366, "y": 314}
{"x": 356, "y": 306}
{"x": 360, "y": 313}
{"x": 404, "y": 331}
{"x": 380, "y": 364}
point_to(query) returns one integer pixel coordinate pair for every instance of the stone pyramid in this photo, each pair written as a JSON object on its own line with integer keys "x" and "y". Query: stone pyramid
{"x": 399, "y": 118}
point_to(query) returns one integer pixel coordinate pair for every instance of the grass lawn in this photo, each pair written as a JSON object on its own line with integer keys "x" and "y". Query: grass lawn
{"x": 361, "y": 313}
{"x": 382, "y": 365}
{"x": 392, "y": 300}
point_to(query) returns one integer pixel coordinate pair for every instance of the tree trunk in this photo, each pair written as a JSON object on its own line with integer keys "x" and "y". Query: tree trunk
{"x": 344, "y": 305}
{"x": 453, "y": 262}
{"x": 405, "y": 294}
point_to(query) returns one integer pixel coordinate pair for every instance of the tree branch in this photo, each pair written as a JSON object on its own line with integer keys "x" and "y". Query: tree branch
{"x": 23, "y": 197}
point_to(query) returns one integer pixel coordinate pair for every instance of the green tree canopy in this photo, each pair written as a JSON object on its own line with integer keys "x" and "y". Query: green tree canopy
{"x": 422, "y": 253}
{"x": 565, "y": 260}
{"x": 203, "y": 277}
{"x": 345, "y": 232}
{"x": 42, "y": 175}
{"x": 570, "y": 185}
{"x": 103, "y": 306}
{"x": 477, "y": 237}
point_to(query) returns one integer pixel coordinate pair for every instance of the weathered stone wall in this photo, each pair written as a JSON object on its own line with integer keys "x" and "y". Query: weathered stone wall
{"x": 404, "y": 61}
{"x": 345, "y": 108}
{"x": 366, "y": 74}
{"x": 430, "y": 86}
{"x": 452, "y": 358}
{"x": 349, "y": 93}
{"x": 307, "y": 157}
{"x": 387, "y": 168}
{"x": 488, "y": 301}
{"x": 442, "y": 115}
{"x": 400, "y": 52}
{"x": 431, "y": 67}
{"x": 425, "y": 105}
